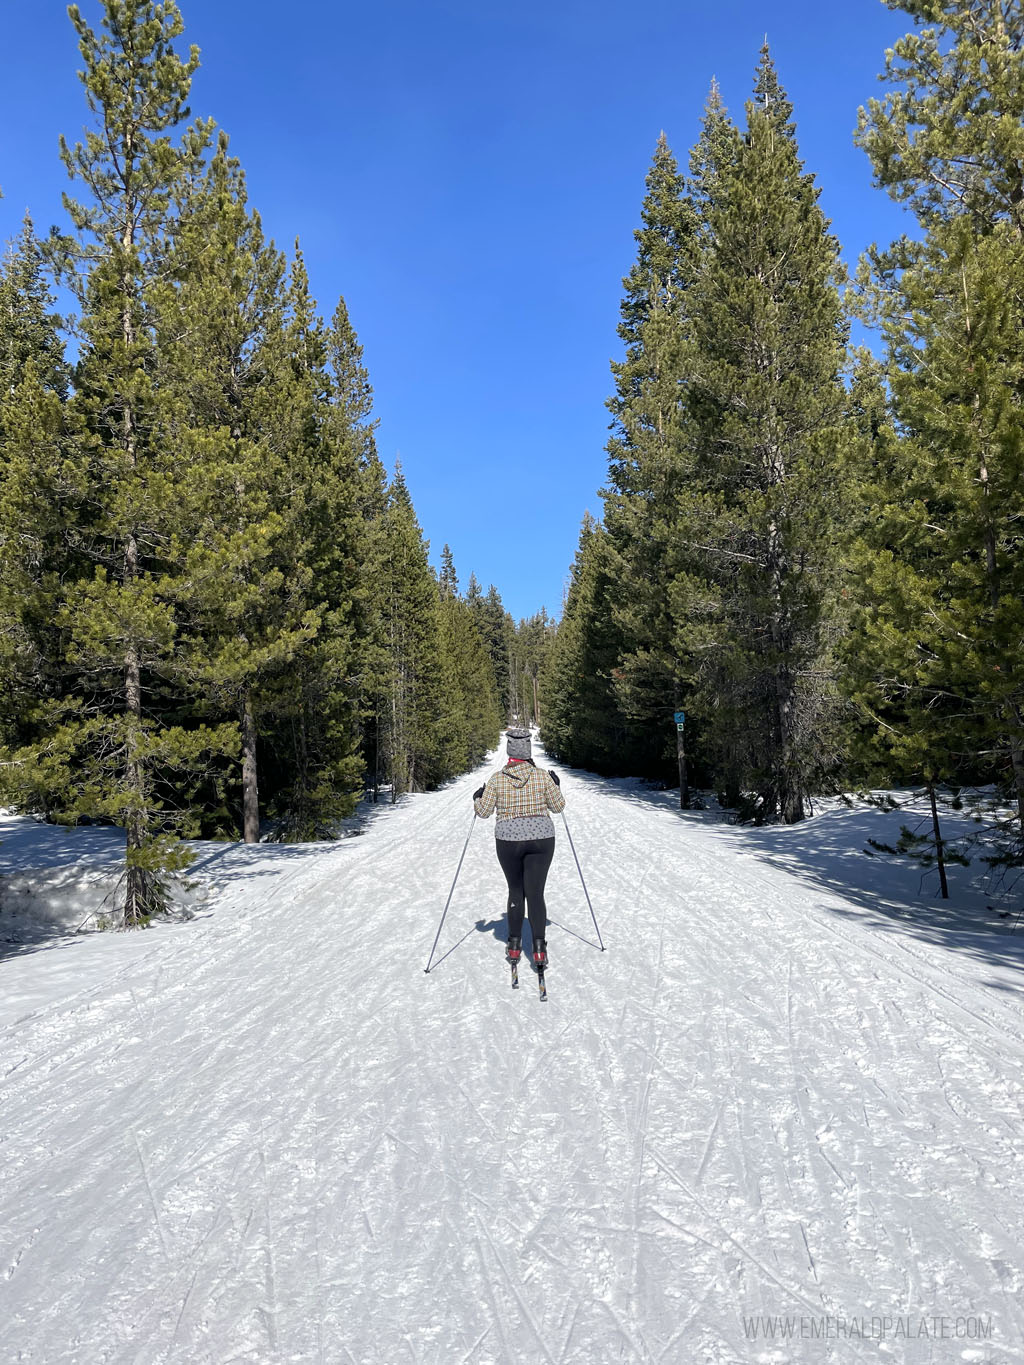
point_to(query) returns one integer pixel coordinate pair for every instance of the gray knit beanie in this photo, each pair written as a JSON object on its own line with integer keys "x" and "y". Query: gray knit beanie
{"x": 518, "y": 745}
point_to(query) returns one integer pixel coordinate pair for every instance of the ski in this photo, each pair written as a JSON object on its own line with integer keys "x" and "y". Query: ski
{"x": 513, "y": 951}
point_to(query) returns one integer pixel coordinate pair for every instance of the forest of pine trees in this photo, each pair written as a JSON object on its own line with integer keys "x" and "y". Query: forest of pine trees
{"x": 217, "y": 613}
{"x": 814, "y": 550}
{"x": 218, "y": 617}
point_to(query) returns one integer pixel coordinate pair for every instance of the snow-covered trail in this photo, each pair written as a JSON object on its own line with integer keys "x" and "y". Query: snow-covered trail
{"x": 267, "y": 1136}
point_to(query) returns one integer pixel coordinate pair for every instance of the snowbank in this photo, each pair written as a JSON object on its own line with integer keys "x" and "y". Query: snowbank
{"x": 55, "y": 880}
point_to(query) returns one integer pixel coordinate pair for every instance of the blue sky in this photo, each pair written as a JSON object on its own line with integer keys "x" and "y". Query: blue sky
{"x": 469, "y": 176}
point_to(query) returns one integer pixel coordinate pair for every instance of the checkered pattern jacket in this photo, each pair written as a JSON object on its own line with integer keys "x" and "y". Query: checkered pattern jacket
{"x": 519, "y": 790}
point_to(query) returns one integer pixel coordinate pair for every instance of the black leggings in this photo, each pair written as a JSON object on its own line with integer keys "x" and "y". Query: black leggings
{"x": 525, "y": 863}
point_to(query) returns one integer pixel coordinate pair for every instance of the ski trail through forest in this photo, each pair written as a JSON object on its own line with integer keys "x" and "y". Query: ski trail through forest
{"x": 268, "y": 1136}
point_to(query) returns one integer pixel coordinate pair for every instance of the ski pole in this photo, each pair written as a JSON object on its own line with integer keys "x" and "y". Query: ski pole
{"x": 451, "y": 893}
{"x": 580, "y": 871}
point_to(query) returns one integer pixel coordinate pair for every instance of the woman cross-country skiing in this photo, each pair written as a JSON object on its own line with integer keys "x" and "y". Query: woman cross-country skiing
{"x": 523, "y": 794}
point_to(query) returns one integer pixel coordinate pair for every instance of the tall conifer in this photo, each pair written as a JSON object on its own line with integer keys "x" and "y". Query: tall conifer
{"x": 37, "y": 484}
{"x": 580, "y": 723}
{"x": 107, "y": 748}
{"x": 244, "y": 413}
{"x": 761, "y": 505}
{"x": 410, "y": 700}
{"x": 943, "y": 576}
{"x": 470, "y": 715}
{"x": 646, "y": 449}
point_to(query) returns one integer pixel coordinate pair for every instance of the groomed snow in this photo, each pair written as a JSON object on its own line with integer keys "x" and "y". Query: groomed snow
{"x": 788, "y": 1097}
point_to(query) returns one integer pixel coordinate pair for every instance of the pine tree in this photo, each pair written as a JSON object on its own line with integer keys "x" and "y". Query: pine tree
{"x": 947, "y": 138}
{"x": 495, "y": 627}
{"x": 759, "y": 510}
{"x": 942, "y": 615}
{"x": 353, "y": 427}
{"x": 530, "y": 645}
{"x": 231, "y": 357}
{"x": 330, "y": 732}
{"x": 470, "y": 718}
{"x": 103, "y": 751}
{"x": 576, "y": 687}
{"x": 409, "y": 705}
{"x": 30, "y": 329}
{"x": 36, "y": 482}
{"x": 654, "y": 450}
{"x": 317, "y": 699}
{"x": 646, "y": 451}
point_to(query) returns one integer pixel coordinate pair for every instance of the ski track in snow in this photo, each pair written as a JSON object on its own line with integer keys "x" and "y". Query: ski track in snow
{"x": 267, "y": 1136}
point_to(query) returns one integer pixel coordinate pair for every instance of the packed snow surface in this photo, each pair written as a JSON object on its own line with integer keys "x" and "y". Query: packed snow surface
{"x": 780, "y": 1119}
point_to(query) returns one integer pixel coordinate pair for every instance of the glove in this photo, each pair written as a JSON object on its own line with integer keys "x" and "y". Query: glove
{"x": 478, "y": 793}
{"x": 554, "y": 779}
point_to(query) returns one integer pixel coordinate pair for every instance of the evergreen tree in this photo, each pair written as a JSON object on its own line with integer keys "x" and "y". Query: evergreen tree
{"x": 652, "y": 450}
{"x": 269, "y": 528}
{"x": 355, "y": 426}
{"x": 471, "y": 715}
{"x": 36, "y": 486}
{"x": 232, "y": 353}
{"x": 105, "y": 751}
{"x": 375, "y": 635}
{"x": 530, "y": 645}
{"x": 317, "y": 695}
{"x": 947, "y": 139}
{"x": 758, "y": 513}
{"x": 576, "y": 689}
{"x": 326, "y": 742}
{"x": 494, "y": 625}
{"x": 408, "y": 705}
{"x": 941, "y": 609}
{"x": 30, "y": 330}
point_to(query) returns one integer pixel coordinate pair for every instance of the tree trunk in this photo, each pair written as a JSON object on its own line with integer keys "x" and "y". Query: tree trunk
{"x": 376, "y": 754}
{"x": 250, "y": 786}
{"x": 396, "y": 756}
{"x": 1017, "y": 761}
{"x": 140, "y": 898}
{"x": 789, "y": 796}
{"x": 137, "y": 906}
{"x": 684, "y": 784}
{"x": 302, "y": 729}
{"x": 994, "y": 591}
{"x": 940, "y": 857}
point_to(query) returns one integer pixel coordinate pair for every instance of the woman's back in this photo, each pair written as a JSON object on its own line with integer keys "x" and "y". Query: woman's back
{"x": 522, "y": 795}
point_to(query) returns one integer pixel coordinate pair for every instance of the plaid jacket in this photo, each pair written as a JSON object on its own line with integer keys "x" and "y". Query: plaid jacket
{"x": 519, "y": 790}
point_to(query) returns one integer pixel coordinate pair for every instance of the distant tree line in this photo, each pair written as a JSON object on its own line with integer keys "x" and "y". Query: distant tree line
{"x": 216, "y": 608}
{"x": 814, "y": 551}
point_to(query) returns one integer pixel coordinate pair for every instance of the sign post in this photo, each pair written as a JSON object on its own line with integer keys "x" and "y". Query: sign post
{"x": 684, "y": 789}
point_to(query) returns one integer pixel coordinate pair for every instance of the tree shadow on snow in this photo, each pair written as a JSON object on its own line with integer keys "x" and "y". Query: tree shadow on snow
{"x": 895, "y": 895}
{"x": 52, "y": 876}
{"x": 828, "y": 851}
{"x": 21, "y": 943}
